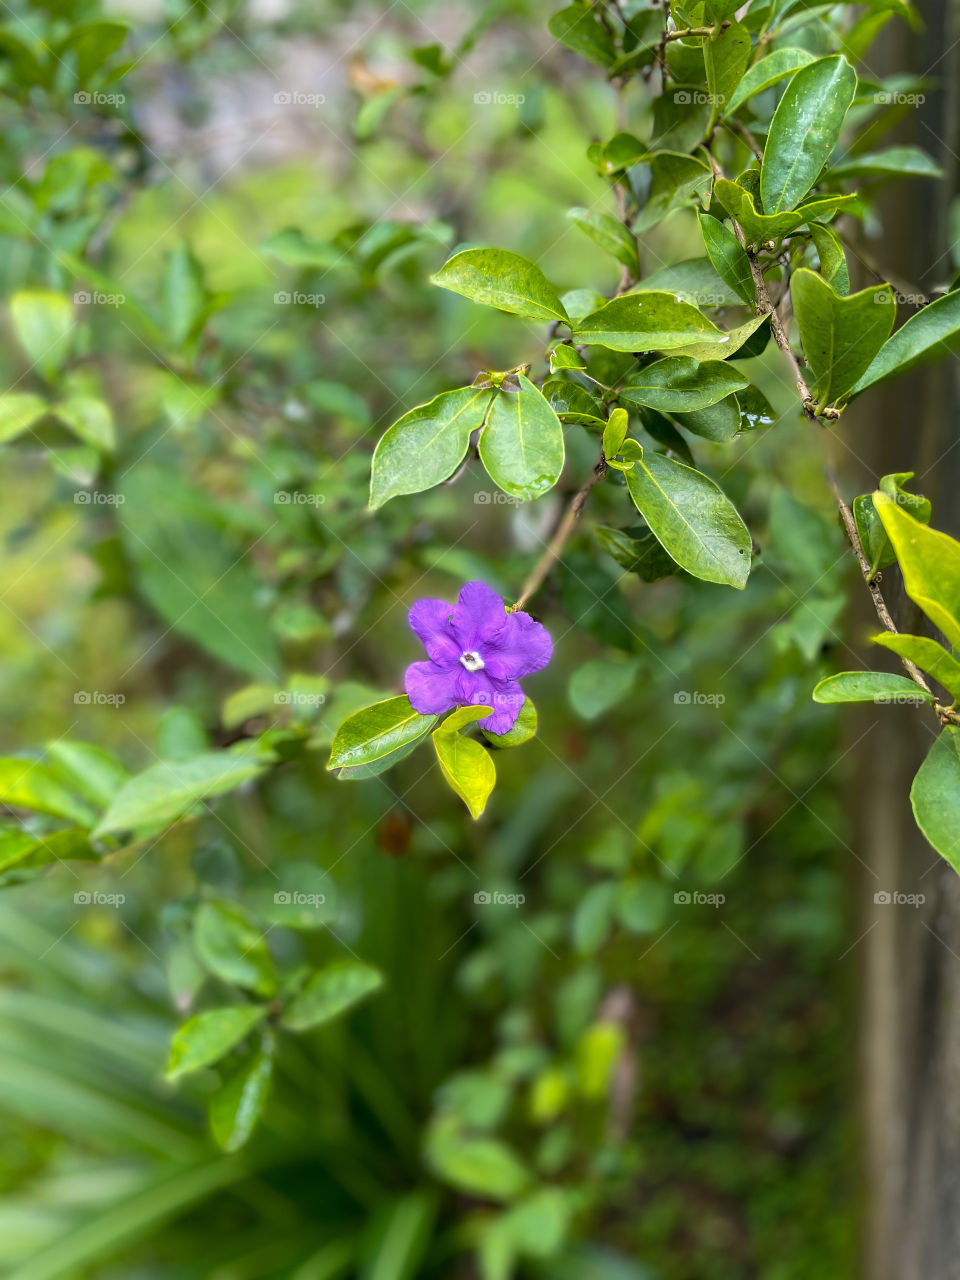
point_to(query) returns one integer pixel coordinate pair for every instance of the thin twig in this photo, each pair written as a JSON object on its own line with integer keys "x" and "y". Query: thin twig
{"x": 561, "y": 535}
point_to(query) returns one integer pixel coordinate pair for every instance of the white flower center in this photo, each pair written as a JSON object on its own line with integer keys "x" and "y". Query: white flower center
{"x": 471, "y": 660}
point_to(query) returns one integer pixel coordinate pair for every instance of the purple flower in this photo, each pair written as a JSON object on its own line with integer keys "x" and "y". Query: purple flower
{"x": 477, "y": 654}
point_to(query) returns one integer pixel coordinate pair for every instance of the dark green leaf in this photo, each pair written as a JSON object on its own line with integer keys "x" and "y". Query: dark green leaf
{"x": 930, "y": 334}
{"x": 522, "y": 442}
{"x": 680, "y": 384}
{"x": 840, "y": 336}
{"x": 935, "y": 796}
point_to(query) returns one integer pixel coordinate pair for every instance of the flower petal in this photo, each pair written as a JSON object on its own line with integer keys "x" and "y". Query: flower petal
{"x": 520, "y": 648}
{"x": 478, "y": 615}
{"x": 432, "y": 689}
{"x": 430, "y": 621}
{"x": 507, "y": 701}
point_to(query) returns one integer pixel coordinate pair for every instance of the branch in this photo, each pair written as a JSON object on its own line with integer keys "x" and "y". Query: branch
{"x": 554, "y": 548}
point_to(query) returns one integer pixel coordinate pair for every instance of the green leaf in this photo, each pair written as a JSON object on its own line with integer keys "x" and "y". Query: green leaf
{"x": 621, "y": 152}
{"x": 930, "y": 563}
{"x": 478, "y": 1166}
{"x": 728, "y": 256}
{"x": 24, "y": 784}
{"x": 90, "y": 770}
{"x": 935, "y": 796}
{"x": 680, "y": 384}
{"x": 564, "y": 356}
{"x": 758, "y": 228}
{"x": 719, "y": 422}
{"x": 928, "y": 335}
{"x": 238, "y": 1104}
{"x": 928, "y": 655}
{"x": 873, "y": 537}
{"x": 330, "y": 992}
{"x": 466, "y": 765}
{"x": 599, "y": 685}
{"x": 579, "y": 28}
{"x": 503, "y": 280}
{"x": 44, "y": 323}
{"x": 646, "y": 322}
{"x": 725, "y": 56}
{"x": 377, "y": 731}
{"x": 523, "y": 730}
{"x": 840, "y": 336}
{"x": 756, "y": 411}
{"x": 695, "y": 522}
{"x": 231, "y": 947}
{"x": 206, "y": 1038}
{"x": 426, "y": 445}
{"x": 675, "y": 180}
{"x": 522, "y": 442}
{"x": 693, "y": 280}
{"x": 165, "y": 791}
{"x": 804, "y": 131}
{"x": 732, "y": 342}
{"x": 90, "y": 419}
{"x": 20, "y": 849}
{"x": 893, "y": 162}
{"x": 573, "y": 403}
{"x": 637, "y": 551}
{"x": 833, "y": 261}
{"x": 869, "y": 686}
{"x": 609, "y": 234}
{"x": 18, "y": 412}
{"x": 768, "y": 71}
{"x": 615, "y": 432}
{"x": 184, "y": 296}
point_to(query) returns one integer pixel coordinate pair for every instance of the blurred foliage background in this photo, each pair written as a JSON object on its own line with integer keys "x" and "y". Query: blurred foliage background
{"x": 238, "y": 207}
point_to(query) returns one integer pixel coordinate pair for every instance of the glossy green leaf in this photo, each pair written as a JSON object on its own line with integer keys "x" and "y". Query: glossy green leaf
{"x": 869, "y": 686}
{"x": 377, "y": 731}
{"x": 522, "y": 442}
{"x": 231, "y": 947}
{"x": 238, "y": 1104}
{"x": 873, "y": 537}
{"x": 928, "y": 655}
{"x": 731, "y": 344}
{"x": 930, "y": 563}
{"x": 165, "y": 791}
{"x": 615, "y": 432}
{"x": 840, "y": 336}
{"x": 426, "y": 445}
{"x": 465, "y": 764}
{"x": 206, "y": 1038}
{"x": 44, "y": 323}
{"x": 768, "y": 71}
{"x": 646, "y": 322}
{"x": 573, "y": 403}
{"x": 695, "y": 522}
{"x": 503, "y": 280}
{"x": 756, "y": 411}
{"x": 833, "y": 260}
{"x": 637, "y": 551}
{"x": 893, "y": 162}
{"x": 719, "y": 422}
{"x": 330, "y": 992}
{"x": 565, "y": 356}
{"x": 759, "y": 228}
{"x": 928, "y": 335}
{"x": 727, "y": 256}
{"x": 804, "y": 131}
{"x": 680, "y": 384}
{"x": 609, "y": 234}
{"x": 726, "y": 55}
{"x": 935, "y": 796}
